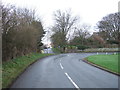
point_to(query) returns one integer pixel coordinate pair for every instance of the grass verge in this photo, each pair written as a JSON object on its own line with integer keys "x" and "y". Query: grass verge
{"x": 56, "y": 50}
{"x": 109, "y": 62}
{"x": 12, "y": 69}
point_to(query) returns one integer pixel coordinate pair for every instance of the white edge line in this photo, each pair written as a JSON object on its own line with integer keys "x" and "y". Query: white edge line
{"x": 61, "y": 66}
{"x": 76, "y": 86}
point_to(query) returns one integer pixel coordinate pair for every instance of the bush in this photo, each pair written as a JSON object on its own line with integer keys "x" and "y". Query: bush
{"x": 57, "y": 50}
{"x": 112, "y": 42}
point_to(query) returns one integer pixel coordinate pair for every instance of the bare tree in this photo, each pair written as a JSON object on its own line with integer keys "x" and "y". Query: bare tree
{"x": 109, "y": 27}
{"x": 21, "y": 32}
{"x": 81, "y": 33}
{"x": 64, "y": 21}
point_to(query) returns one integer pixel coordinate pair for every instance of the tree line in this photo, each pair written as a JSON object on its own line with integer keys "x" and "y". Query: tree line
{"x": 65, "y": 23}
{"x": 21, "y": 32}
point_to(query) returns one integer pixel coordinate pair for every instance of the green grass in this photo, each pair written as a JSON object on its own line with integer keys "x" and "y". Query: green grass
{"x": 12, "y": 69}
{"x": 109, "y": 62}
{"x": 56, "y": 50}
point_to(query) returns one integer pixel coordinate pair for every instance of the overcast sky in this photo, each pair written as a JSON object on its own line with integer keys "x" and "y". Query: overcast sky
{"x": 90, "y": 11}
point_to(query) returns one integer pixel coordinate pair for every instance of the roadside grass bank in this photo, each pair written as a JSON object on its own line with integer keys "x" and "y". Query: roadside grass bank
{"x": 107, "y": 62}
{"x": 13, "y": 68}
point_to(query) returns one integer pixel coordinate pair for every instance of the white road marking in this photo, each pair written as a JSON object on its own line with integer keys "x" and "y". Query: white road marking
{"x": 76, "y": 86}
{"x": 61, "y": 66}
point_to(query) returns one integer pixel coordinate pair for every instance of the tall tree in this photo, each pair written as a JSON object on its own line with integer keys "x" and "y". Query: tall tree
{"x": 64, "y": 21}
{"x": 81, "y": 33}
{"x": 109, "y": 27}
{"x": 21, "y": 32}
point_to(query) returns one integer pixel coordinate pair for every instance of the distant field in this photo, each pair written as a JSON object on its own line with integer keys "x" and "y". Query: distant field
{"x": 109, "y": 62}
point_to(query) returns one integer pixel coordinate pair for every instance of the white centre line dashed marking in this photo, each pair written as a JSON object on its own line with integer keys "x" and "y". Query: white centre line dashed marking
{"x": 61, "y": 66}
{"x": 76, "y": 86}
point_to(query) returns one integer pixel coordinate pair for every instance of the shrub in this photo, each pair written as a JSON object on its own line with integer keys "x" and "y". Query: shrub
{"x": 82, "y": 47}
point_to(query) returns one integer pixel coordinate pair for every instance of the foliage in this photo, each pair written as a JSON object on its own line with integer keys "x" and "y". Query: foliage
{"x": 21, "y": 32}
{"x": 112, "y": 42}
{"x": 82, "y": 47}
{"x": 107, "y": 36}
{"x": 58, "y": 39}
{"x": 64, "y": 21}
{"x": 109, "y": 27}
{"x": 56, "y": 50}
{"x": 80, "y": 38}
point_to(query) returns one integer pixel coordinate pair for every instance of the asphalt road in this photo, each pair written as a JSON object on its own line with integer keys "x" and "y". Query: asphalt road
{"x": 65, "y": 71}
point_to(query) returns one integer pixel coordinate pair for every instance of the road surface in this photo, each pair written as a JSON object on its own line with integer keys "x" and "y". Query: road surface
{"x": 65, "y": 71}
